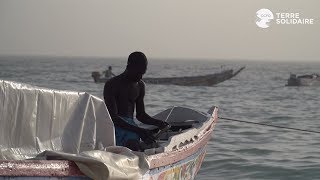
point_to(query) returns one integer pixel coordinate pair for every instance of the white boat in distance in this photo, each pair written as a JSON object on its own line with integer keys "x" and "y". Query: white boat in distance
{"x": 47, "y": 134}
{"x": 203, "y": 80}
{"x": 304, "y": 80}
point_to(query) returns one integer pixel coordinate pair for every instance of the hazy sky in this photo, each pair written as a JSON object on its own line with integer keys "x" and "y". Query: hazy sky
{"x": 208, "y": 29}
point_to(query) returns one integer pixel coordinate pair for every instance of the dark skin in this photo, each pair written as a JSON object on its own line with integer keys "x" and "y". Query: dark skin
{"x": 125, "y": 93}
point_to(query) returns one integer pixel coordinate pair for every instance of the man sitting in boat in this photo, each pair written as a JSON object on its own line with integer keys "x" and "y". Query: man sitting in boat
{"x": 108, "y": 73}
{"x": 122, "y": 94}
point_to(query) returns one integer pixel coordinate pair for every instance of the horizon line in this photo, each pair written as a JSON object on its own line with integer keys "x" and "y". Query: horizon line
{"x": 158, "y": 58}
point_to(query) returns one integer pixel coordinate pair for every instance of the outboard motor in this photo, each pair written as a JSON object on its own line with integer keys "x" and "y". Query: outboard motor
{"x": 293, "y": 80}
{"x": 96, "y": 75}
{"x": 293, "y": 76}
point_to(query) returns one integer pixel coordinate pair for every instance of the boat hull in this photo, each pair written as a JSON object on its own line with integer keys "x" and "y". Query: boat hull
{"x": 184, "y": 169}
{"x": 40, "y": 169}
{"x": 205, "y": 80}
{"x": 303, "y": 81}
{"x": 182, "y": 163}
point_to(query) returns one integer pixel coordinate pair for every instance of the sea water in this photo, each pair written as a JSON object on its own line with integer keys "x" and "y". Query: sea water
{"x": 258, "y": 94}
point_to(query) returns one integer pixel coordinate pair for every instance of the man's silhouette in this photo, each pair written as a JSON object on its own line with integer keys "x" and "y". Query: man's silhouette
{"x": 108, "y": 73}
{"x": 125, "y": 93}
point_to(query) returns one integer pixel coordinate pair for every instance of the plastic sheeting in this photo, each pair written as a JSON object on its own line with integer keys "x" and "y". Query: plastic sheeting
{"x": 34, "y": 119}
{"x": 113, "y": 163}
{"x": 37, "y": 122}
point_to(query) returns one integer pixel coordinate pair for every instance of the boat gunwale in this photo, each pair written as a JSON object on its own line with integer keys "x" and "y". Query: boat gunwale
{"x": 167, "y": 158}
{"x": 39, "y": 168}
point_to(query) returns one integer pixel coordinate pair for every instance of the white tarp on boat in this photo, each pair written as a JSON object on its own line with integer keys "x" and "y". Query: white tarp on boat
{"x": 113, "y": 163}
{"x": 66, "y": 124}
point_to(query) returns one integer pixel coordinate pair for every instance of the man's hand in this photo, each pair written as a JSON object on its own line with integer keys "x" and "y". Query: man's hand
{"x": 146, "y": 136}
{"x": 163, "y": 125}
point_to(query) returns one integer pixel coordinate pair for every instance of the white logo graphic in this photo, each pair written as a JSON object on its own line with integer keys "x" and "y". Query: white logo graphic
{"x": 264, "y": 18}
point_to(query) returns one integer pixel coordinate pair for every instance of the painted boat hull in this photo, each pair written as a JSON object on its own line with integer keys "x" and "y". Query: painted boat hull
{"x": 184, "y": 169}
{"x": 40, "y": 169}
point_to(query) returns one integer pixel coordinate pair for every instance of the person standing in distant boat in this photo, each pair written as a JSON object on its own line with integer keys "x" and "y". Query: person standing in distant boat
{"x": 108, "y": 73}
{"x": 123, "y": 94}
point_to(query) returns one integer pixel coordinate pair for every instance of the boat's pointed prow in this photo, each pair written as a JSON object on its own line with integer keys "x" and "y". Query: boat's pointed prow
{"x": 211, "y": 110}
{"x": 239, "y": 70}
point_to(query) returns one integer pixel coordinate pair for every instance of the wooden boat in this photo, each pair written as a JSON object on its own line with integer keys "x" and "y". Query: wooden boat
{"x": 47, "y": 133}
{"x": 204, "y": 80}
{"x": 304, "y": 80}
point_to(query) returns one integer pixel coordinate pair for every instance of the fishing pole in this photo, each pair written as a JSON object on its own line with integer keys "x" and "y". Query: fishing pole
{"x": 270, "y": 125}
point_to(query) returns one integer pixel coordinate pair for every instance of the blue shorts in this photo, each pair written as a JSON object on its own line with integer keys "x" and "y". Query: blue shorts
{"x": 123, "y": 135}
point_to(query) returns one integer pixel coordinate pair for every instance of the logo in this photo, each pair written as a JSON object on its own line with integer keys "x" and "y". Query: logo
{"x": 264, "y": 17}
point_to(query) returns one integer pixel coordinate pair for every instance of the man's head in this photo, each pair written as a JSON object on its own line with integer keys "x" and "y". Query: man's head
{"x": 136, "y": 66}
{"x": 110, "y": 68}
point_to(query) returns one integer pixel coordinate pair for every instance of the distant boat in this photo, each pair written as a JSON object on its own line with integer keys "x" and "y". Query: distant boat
{"x": 203, "y": 80}
{"x": 304, "y": 80}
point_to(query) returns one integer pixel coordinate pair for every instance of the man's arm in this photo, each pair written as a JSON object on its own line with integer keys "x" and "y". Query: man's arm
{"x": 141, "y": 114}
{"x": 109, "y": 94}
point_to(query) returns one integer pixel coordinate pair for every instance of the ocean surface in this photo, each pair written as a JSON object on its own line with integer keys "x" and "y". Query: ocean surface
{"x": 258, "y": 94}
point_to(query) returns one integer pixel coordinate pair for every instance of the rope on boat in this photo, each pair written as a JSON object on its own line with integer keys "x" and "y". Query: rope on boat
{"x": 275, "y": 126}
